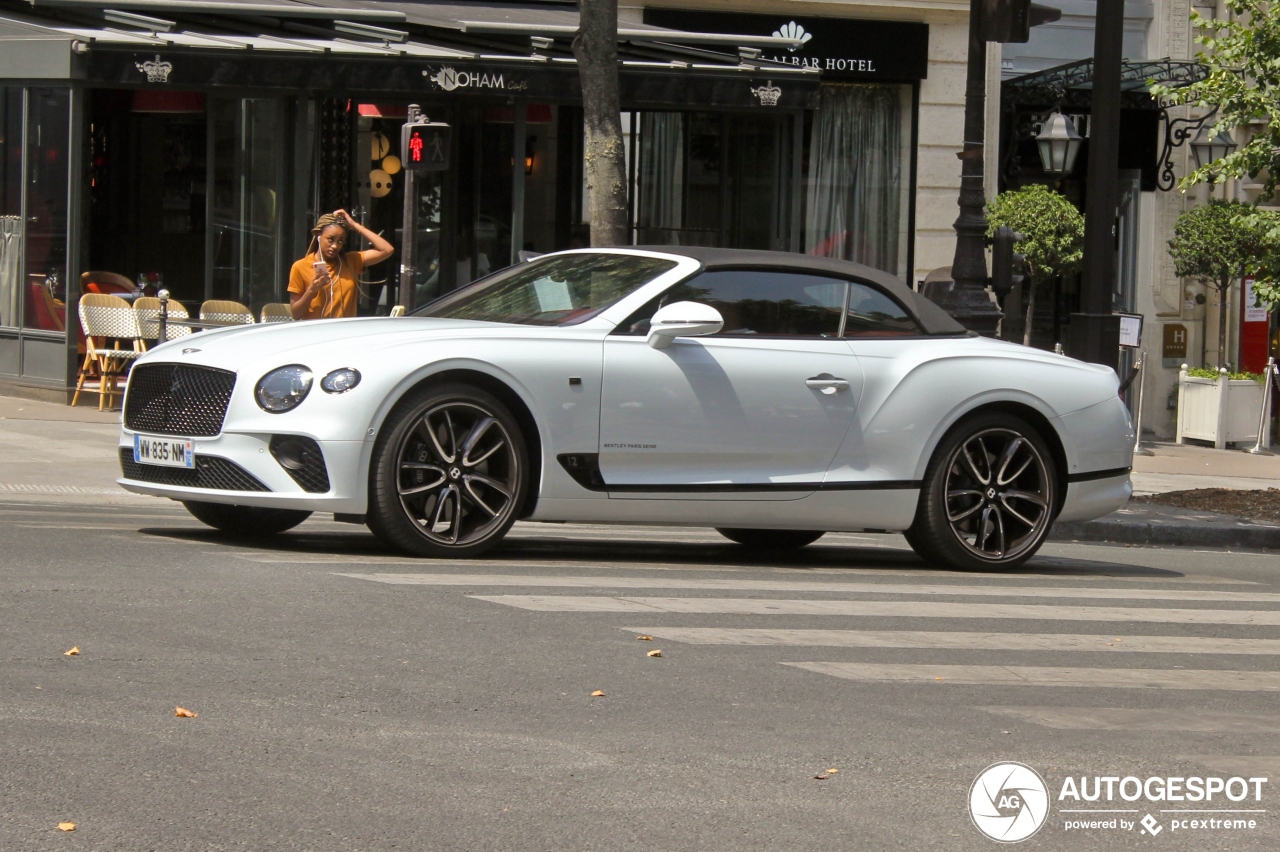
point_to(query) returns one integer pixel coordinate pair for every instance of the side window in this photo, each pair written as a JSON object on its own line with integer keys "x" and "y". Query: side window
{"x": 873, "y": 314}
{"x": 757, "y": 302}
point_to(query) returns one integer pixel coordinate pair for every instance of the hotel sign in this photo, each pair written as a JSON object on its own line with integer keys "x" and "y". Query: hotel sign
{"x": 841, "y": 48}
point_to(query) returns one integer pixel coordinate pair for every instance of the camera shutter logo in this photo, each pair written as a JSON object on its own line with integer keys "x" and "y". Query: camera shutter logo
{"x": 1008, "y": 802}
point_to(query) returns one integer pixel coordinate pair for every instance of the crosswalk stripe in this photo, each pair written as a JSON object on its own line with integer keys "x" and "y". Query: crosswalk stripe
{"x": 1159, "y": 719}
{"x": 960, "y": 641}
{"x": 743, "y": 585}
{"x": 899, "y": 609}
{"x": 1232, "y": 681}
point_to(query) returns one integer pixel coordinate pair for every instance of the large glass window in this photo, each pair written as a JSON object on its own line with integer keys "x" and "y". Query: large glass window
{"x": 247, "y": 204}
{"x": 712, "y": 179}
{"x": 10, "y": 204}
{"x": 48, "y": 139}
{"x": 858, "y": 176}
{"x": 557, "y": 291}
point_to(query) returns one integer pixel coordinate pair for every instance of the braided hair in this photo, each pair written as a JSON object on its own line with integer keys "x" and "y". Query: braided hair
{"x": 323, "y": 222}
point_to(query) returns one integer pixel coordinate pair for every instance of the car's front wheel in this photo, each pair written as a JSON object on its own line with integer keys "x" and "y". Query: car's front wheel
{"x": 989, "y": 496}
{"x": 772, "y": 539}
{"x": 246, "y": 521}
{"x": 449, "y": 473}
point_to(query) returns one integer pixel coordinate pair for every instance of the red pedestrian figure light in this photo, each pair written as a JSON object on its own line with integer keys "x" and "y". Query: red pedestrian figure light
{"x": 415, "y": 148}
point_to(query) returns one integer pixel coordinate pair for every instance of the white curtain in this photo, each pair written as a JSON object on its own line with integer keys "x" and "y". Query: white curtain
{"x": 10, "y": 268}
{"x": 661, "y": 193}
{"x": 855, "y": 176}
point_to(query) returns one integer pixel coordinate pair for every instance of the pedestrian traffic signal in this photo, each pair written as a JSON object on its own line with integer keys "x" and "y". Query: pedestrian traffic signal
{"x": 1010, "y": 21}
{"x": 1008, "y": 268}
{"x": 424, "y": 146}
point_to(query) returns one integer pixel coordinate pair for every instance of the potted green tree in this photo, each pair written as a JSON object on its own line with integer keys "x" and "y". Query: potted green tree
{"x": 1216, "y": 244}
{"x": 1053, "y": 231}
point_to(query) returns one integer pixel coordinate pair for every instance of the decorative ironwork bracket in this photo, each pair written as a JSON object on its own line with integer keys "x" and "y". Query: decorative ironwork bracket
{"x": 1176, "y": 133}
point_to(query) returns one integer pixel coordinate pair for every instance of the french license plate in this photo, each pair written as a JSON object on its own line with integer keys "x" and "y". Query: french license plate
{"x": 165, "y": 452}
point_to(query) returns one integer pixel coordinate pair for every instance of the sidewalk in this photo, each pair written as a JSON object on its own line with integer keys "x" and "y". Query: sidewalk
{"x": 54, "y": 453}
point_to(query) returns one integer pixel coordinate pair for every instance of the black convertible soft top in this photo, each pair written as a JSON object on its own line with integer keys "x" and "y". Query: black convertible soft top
{"x": 930, "y": 317}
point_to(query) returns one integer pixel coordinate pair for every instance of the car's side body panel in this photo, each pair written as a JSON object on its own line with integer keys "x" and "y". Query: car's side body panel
{"x": 733, "y": 411}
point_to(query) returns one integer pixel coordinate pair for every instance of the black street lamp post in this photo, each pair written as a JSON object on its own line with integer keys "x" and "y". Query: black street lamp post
{"x": 965, "y": 295}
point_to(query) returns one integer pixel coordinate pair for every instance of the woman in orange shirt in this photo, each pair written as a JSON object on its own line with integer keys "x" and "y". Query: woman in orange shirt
{"x": 323, "y": 285}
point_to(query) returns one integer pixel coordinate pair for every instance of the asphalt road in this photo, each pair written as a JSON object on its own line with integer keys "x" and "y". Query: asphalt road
{"x": 351, "y": 699}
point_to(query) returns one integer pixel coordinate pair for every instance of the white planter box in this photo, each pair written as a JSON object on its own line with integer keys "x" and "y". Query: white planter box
{"x": 1220, "y": 410}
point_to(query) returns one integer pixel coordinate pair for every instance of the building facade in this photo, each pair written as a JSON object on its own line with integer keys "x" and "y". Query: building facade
{"x": 191, "y": 148}
{"x": 1181, "y": 316}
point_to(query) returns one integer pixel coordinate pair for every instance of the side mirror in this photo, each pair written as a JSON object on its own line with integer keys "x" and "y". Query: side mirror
{"x": 682, "y": 319}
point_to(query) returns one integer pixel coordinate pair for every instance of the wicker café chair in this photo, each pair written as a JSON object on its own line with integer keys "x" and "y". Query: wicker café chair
{"x": 277, "y": 312}
{"x": 107, "y": 318}
{"x": 148, "y": 310}
{"x": 223, "y": 310}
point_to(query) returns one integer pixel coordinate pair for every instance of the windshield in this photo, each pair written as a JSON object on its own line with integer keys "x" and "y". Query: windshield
{"x": 559, "y": 290}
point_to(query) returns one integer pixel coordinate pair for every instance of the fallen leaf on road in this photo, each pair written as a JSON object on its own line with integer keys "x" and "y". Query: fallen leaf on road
{"x": 599, "y": 693}
{"x": 820, "y": 778}
{"x": 937, "y": 678}
{"x": 184, "y": 713}
{"x": 66, "y": 826}
{"x": 74, "y": 652}
{"x": 832, "y": 771}
{"x": 656, "y": 652}
{"x": 645, "y": 638}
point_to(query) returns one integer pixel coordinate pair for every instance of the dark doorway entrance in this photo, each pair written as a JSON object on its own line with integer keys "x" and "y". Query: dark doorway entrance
{"x": 147, "y": 188}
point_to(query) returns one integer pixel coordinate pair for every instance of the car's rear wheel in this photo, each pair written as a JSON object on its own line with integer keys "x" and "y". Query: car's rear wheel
{"x": 771, "y": 539}
{"x": 449, "y": 473}
{"x": 989, "y": 495}
{"x": 246, "y": 521}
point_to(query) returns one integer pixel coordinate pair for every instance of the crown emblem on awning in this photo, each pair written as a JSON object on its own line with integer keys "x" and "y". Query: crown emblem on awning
{"x": 157, "y": 71}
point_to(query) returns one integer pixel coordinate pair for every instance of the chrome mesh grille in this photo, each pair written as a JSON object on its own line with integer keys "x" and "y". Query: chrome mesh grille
{"x": 175, "y": 399}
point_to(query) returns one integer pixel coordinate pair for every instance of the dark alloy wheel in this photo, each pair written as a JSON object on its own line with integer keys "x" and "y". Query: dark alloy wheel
{"x": 246, "y": 521}
{"x": 772, "y": 539}
{"x": 449, "y": 473}
{"x": 989, "y": 496}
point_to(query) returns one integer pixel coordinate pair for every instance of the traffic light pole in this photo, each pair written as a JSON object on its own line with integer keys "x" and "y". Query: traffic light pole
{"x": 409, "y": 224}
{"x": 1093, "y": 335}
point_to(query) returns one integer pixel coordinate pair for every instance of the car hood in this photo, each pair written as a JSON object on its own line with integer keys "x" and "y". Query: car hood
{"x": 275, "y": 344}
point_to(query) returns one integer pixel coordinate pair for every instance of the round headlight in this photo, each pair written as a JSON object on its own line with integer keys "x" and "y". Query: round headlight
{"x": 340, "y": 381}
{"x": 283, "y": 389}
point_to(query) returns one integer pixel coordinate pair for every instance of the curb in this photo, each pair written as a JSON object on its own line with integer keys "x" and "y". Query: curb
{"x": 1252, "y": 536}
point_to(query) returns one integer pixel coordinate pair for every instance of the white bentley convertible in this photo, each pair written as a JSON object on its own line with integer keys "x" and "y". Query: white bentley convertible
{"x": 772, "y": 396}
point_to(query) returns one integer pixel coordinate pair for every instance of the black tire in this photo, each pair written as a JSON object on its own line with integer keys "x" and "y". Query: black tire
{"x": 772, "y": 539}
{"x": 989, "y": 496}
{"x": 246, "y": 521}
{"x": 468, "y": 505}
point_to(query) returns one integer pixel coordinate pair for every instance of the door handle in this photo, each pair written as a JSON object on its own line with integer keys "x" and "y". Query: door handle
{"x": 827, "y": 383}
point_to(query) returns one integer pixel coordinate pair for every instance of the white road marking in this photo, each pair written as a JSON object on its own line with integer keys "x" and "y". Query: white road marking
{"x": 1102, "y": 643}
{"x": 1158, "y": 720}
{"x": 895, "y": 609}
{"x": 606, "y": 582}
{"x": 1246, "y": 765}
{"x": 1230, "y": 681}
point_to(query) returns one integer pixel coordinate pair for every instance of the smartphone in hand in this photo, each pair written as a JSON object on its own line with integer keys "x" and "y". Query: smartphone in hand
{"x": 321, "y": 268}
